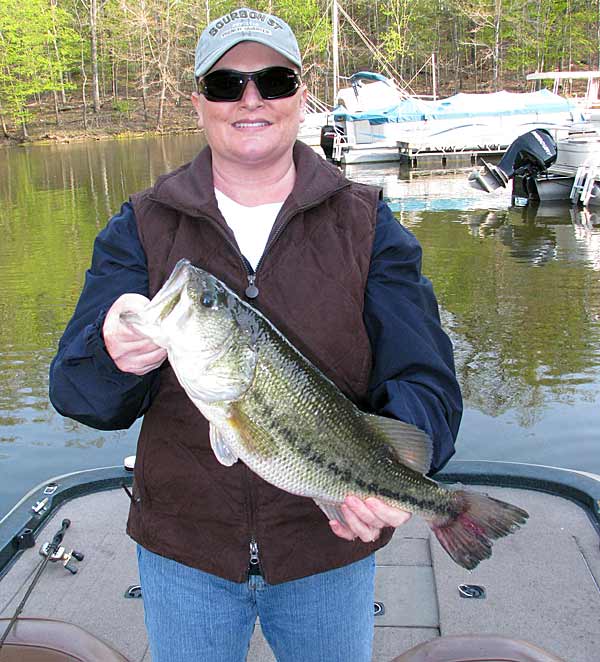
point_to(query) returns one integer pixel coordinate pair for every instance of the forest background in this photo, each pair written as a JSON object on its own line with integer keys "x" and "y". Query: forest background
{"x": 92, "y": 67}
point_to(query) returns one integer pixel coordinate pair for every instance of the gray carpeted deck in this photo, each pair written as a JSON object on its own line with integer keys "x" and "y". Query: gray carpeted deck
{"x": 542, "y": 584}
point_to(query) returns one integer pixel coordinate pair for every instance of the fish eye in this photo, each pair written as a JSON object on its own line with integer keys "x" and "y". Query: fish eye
{"x": 207, "y": 299}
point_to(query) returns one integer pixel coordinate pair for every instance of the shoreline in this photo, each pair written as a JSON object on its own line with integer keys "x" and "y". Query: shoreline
{"x": 108, "y": 124}
{"x": 66, "y": 137}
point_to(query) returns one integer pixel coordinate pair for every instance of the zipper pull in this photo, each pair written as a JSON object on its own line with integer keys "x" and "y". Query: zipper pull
{"x": 254, "y": 560}
{"x": 251, "y": 291}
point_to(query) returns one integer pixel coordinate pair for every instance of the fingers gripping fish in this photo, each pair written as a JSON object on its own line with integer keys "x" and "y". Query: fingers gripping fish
{"x": 270, "y": 407}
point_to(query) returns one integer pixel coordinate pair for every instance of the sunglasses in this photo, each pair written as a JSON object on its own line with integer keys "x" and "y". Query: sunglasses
{"x": 229, "y": 85}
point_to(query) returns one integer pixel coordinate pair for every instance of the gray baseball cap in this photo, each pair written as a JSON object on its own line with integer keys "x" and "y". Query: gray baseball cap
{"x": 244, "y": 25}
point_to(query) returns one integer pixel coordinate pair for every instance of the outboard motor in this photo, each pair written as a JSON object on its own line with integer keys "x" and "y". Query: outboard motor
{"x": 528, "y": 156}
{"x": 328, "y": 134}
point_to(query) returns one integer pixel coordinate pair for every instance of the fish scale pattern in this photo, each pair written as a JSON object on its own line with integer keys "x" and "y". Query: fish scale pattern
{"x": 303, "y": 435}
{"x": 274, "y": 410}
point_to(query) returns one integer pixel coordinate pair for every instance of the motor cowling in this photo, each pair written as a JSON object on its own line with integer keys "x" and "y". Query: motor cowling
{"x": 328, "y": 134}
{"x": 530, "y": 154}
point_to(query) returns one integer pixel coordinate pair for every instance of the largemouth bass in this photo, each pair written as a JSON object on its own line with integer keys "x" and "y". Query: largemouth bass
{"x": 271, "y": 408}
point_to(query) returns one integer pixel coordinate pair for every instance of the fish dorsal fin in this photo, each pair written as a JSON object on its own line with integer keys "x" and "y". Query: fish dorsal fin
{"x": 409, "y": 445}
{"x": 221, "y": 448}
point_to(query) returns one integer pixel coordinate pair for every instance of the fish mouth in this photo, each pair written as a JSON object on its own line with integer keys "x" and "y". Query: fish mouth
{"x": 171, "y": 290}
{"x": 160, "y": 306}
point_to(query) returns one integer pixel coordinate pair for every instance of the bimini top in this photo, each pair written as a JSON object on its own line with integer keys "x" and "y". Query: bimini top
{"x": 462, "y": 106}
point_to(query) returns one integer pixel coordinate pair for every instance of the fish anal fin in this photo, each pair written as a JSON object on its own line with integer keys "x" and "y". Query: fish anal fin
{"x": 221, "y": 447}
{"x": 332, "y": 510}
{"x": 410, "y": 446}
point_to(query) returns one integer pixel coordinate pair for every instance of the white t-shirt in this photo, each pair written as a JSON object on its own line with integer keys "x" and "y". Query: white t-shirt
{"x": 251, "y": 225}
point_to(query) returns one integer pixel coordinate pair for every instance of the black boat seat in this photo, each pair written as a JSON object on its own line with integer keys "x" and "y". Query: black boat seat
{"x": 476, "y": 648}
{"x": 47, "y": 640}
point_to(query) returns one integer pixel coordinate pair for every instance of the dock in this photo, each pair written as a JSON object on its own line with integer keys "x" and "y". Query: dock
{"x": 413, "y": 154}
{"x": 416, "y": 155}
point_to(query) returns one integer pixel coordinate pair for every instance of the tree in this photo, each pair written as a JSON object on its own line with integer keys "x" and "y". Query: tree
{"x": 37, "y": 45}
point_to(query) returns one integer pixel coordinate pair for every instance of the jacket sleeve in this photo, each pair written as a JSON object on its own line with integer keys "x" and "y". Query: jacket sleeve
{"x": 413, "y": 377}
{"x": 85, "y": 383}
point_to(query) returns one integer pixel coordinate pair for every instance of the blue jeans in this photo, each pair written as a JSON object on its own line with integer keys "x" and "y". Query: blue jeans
{"x": 193, "y": 616}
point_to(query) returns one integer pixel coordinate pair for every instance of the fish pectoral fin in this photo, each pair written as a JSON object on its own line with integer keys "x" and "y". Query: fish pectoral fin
{"x": 221, "y": 449}
{"x": 332, "y": 510}
{"x": 410, "y": 446}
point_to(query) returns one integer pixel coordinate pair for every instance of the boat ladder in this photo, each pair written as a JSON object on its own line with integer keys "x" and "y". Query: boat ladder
{"x": 586, "y": 184}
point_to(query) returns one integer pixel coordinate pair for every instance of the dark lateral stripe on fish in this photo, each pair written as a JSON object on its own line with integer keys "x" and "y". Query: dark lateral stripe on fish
{"x": 373, "y": 488}
{"x": 311, "y": 455}
{"x": 344, "y": 474}
{"x": 267, "y": 412}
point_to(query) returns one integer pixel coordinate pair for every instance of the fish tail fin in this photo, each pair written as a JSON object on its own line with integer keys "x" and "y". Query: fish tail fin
{"x": 476, "y": 520}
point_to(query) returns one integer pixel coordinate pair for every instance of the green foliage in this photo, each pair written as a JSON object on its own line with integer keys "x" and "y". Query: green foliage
{"x": 396, "y": 40}
{"x": 122, "y": 106}
{"x": 148, "y": 45}
{"x": 37, "y": 46}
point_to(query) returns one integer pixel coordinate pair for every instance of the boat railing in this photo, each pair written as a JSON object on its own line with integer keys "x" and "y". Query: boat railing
{"x": 315, "y": 105}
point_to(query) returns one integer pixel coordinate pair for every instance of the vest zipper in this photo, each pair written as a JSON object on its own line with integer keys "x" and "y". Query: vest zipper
{"x": 252, "y": 290}
{"x": 254, "y": 557}
{"x": 254, "y": 564}
{"x": 281, "y": 228}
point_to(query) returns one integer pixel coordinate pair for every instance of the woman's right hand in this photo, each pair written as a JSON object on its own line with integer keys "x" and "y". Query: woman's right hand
{"x": 129, "y": 349}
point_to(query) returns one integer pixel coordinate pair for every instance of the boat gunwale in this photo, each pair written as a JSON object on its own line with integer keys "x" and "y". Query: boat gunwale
{"x": 580, "y": 487}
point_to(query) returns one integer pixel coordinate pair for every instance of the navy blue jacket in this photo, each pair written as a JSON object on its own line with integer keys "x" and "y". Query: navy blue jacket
{"x": 413, "y": 380}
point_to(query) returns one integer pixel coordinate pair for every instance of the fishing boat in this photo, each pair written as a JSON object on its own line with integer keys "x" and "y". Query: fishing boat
{"x": 378, "y": 118}
{"x": 536, "y": 599}
{"x": 382, "y": 123}
{"x": 543, "y": 170}
{"x": 583, "y": 87}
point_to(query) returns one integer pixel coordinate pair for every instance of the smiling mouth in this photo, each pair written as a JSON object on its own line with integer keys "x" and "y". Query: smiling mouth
{"x": 251, "y": 125}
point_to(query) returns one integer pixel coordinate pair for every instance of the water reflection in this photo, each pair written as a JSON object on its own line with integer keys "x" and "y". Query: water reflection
{"x": 53, "y": 201}
{"x": 107, "y": 170}
{"x": 520, "y": 297}
{"x": 411, "y": 189}
{"x": 519, "y": 292}
{"x": 542, "y": 233}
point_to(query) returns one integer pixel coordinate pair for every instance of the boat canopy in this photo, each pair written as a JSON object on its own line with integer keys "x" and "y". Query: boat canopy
{"x": 464, "y": 106}
{"x": 370, "y": 75}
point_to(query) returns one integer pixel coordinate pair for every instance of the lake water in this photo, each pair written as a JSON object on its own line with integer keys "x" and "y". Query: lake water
{"x": 519, "y": 293}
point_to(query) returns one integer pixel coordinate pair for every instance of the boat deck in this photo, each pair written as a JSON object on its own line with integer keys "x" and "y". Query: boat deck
{"x": 541, "y": 585}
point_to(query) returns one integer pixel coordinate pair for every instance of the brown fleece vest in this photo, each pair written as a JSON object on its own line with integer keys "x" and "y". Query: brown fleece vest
{"x": 311, "y": 283}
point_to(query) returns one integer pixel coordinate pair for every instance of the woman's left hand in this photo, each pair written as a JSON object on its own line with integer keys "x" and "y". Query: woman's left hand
{"x": 365, "y": 518}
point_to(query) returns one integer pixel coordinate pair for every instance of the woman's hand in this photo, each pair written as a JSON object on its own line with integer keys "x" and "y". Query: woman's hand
{"x": 130, "y": 350}
{"x": 366, "y": 518}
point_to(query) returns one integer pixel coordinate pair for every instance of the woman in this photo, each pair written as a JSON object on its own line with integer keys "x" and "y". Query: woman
{"x": 328, "y": 264}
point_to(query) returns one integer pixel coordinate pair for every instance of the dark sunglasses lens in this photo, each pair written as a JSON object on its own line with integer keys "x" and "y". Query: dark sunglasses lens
{"x": 228, "y": 85}
{"x": 223, "y": 86}
{"x": 276, "y": 82}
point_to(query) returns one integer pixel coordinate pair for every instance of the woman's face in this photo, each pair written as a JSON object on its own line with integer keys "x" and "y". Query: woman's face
{"x": 251, "y": 131}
